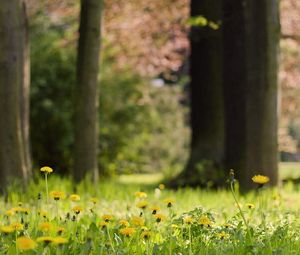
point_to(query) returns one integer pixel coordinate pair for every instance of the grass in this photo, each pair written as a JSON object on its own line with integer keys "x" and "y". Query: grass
{"x": 186, "y": 221}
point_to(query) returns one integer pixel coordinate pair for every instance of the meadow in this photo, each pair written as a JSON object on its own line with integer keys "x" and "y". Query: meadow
{"x": 125, "y": 217}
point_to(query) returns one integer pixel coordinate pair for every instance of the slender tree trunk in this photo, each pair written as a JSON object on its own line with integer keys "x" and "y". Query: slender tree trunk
{"x": 251, "y": 32}
{"x": 206, "y": 95}
{"x": 25, "y": 87}
{"x": 12, "y": 156}
{"x": 86, "y": 95}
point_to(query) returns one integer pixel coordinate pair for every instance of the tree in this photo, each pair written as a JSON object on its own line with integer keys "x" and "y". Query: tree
{"x": 12, "y": 149}
{"x": 206, "y": 96}
{"x": 251, "y": 33}
{"x": 86, "y": 94}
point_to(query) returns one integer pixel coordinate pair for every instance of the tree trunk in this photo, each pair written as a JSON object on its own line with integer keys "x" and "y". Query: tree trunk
{"x": 12, "y": 156}
{"x": 206, "y": 95}
{"x": 25, "y": 87}
{"x": 251, "y": 33}
{"x": 86, "y": 95}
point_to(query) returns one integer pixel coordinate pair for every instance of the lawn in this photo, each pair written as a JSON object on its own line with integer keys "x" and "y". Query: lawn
{"x": 125, "y": 216}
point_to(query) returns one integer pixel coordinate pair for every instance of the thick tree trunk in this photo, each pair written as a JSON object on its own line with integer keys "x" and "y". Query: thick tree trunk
{"x": 206, "y": 95}
{"x": 86, "y": 101}
{"x": 251, "y": 32}
{"x": 12, "y": 156}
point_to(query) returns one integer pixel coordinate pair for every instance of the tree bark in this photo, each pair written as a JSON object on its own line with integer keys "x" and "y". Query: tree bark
{"x": 86, "y": 95}
{"x": 206, "y": 96}
{"x": 25, "y": 87}
{"x": 12, "y": 155}
{"x": 251, "y": 34}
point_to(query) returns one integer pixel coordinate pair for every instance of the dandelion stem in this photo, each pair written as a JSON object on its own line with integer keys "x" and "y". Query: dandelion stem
{"x": 240, "y": 210}
{"x": 46, "y": 182}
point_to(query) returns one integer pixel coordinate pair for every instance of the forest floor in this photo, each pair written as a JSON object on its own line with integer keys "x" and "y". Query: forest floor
{"x": 136, "y": 215}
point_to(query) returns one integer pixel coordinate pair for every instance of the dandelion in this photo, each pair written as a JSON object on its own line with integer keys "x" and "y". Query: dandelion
{"x": 103, "y": 224}
{"x": 137, "y": 221}
{"x": 205, "y": 221}
{"x": 250, "y": 206}
{"x": 124, "y": 223}
{"x": 57, "y": 195}
{"x": 127, "y": 231}
{"x": 94, "y": 200}
{"x": 154, "y": 209}
{"x": 45, "y": 239}
{"x": 17, "y": 226}
{"x": 60, "y": 230}
{"x": 7, "y": 229}
{"x": 227, "y": 225}
{"x": 107, "y": 217}
{"x": 140, "y": 194}
{"x": 169, "y": 202}
{"x": 42, "y": 213}
{"x": 74, "y": 197}
{"x": 260, "y": 179}
{"x": 10, "y": 212}
{"x": 46, "y": 170}
{"x": 77, "y": 209}
{"x": 222, "y": 235}
{"x": 25, "y": 243}
{"x": 59, "y": 240}
{"x": 142, "y": 204}
{"x": 146, "y": 234}
{"x": 45, "y": 226}
{"x": 161, "y": 186}
{"x": 188, "y": 220}
{"x": 159, "y": 217}
{"x": 20, "y": 209}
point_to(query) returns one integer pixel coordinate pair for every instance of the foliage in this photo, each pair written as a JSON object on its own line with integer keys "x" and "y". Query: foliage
{"x": 139, "y": 122}
{"x": 155, "y": 221}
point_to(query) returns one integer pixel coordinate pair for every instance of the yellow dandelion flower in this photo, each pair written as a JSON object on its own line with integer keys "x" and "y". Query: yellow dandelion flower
{"x": 10, "y": 212}
{"x": 188, "y": 220}
{"x": 45, "y": 226}
{"x": 46, "y": 169}
{"x": 60, "y": 230}
{"x": 25, "y": 243}
{"x": 94, "y": 200}
{"x": 42, "y": 213}
{"x": 7, "y": 229}
{"x": 154, "y": 209}
{"x": 45, "y": 239}
{"x": 74, "y": 197}
{"x": 17, "y": 226}
{"x": 159, "y": 217}
{"x": 107, "y": 217}
{"x": 57, "y": 195}
{"x": 59, "y": 240}
{"x": 140, "y": 194}
{"x": 20, "y": 209}
{"x": 205, "y": 221}
{"x": 77, "y": 209}
{"x": 142, "y": 204}
{"x": 146, "y": 234}
{"x": 227, "y": 225}
{"x": 161, "y": 186}
{"x": 169, "y": 202}
{"x": 260, "y": 179}
{"x": 250, "y": 206}
{"x": 123, "y": 223}
{"x": 222, "y": 235}
{"x": 103, "y": 224}
{"x": 127, "y": 231}
{"x": 137, "y": 221}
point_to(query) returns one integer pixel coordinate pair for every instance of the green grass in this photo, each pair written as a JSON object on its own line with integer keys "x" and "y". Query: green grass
{"x": 273, "y": 223}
